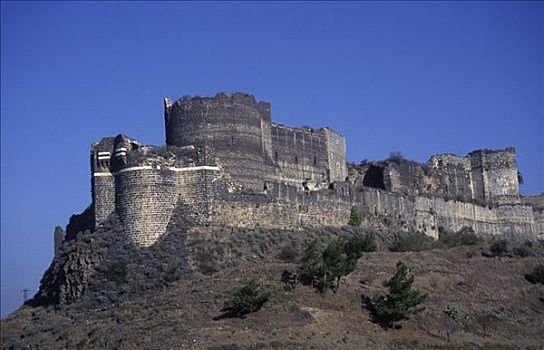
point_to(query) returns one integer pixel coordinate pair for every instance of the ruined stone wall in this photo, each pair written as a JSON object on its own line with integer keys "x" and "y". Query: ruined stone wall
{"x": 502, "y": 172}
{"x": 494, "y": 174}
{"x": 405, "y": 177}
{"x": 482, "y": 176}
{"x": 453, "y": 175}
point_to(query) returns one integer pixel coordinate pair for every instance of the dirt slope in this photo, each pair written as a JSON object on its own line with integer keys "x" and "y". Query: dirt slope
{"x": 497, "y": 307}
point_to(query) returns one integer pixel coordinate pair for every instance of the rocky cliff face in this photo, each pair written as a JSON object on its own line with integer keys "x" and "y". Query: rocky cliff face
{"x": 103, "y": 266}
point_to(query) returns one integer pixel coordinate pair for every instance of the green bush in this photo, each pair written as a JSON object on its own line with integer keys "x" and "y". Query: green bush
{"x": 171, "y": 274}
{"x": 537, "y": 275}
{"x": 410, "y": 243}
{"x": 117, "y": 271}
{"x": 464, "y": 236}
{"x": 523, "y": 250}
{"x": 246, "y": 300}
{"x": 453, "y": 313}
{"x": 355, "y": 218}
{"x": 359, "y": 244}
{"x": 396, "y": 157}
{"x": 499, "y": 248}
{"x": 401, "y": 301}
{"x": 288, "y": 254}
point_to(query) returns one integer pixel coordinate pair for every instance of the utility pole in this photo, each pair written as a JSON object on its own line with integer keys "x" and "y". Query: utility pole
{"x": 25, "y": 294}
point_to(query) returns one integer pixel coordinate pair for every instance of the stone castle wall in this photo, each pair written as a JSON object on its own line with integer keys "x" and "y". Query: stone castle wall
{"x": 249, "y": 147}
{"x": 227, "y": 164}
{"x": 379, "y": 209}
{"x": 145, "y": 199}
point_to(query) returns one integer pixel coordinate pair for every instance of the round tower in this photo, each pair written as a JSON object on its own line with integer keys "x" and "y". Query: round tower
{"x": 231, "y": 125}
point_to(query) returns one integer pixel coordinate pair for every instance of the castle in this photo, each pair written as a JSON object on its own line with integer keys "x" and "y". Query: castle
{"x": 226, "y": 163}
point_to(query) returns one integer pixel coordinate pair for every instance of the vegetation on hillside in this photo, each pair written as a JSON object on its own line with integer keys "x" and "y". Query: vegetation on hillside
{"x": 325, "y": 268}
{"x": 250, "y": 298}
{"x": 400, "y": 302}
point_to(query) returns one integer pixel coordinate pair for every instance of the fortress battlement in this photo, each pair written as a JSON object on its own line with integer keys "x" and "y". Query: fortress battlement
{"x": 226, "y": 163}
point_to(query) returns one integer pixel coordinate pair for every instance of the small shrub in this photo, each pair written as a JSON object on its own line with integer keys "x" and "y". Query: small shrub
{"x": 246, "y": 300}
{"x": 206, "y": 262}
{"x": 171, "y": 274}
{"x": 355, "y": 218}
{"x": 401, "y": 301}
{"x": 523, "y": 250}
{"x": 410, "y": 243}
{"x": 464, "y": 236}
{"x": 117, "y": 271}
{"x": 288, "y": 254}
{"x": 499, "y": 248}
{"x": 453, "y": 313}
{"x": 290, "y": 280}
{"x": 359, "y": 244}
{"x": 396, "y": 157}
{"x": 536, "y": 276}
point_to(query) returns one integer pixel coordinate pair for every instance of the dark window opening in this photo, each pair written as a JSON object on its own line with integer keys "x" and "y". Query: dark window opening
{"x": 276, "y": 155}
{"x": 315, "y": 160}
{"x": 296, "y": 159}
{"x": 374, "y": 177}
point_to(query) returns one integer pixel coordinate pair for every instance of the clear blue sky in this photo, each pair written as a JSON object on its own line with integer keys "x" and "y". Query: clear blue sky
{"x": 420, "y": 78}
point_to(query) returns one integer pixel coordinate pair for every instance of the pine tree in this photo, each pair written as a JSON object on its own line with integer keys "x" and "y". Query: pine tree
{"x": 324, "y": 269}
{"x": 334, "y": 265}
{"x": 310, "y": 264}
{"x": 401, "y": 301}
{"x": 246, "y": 300}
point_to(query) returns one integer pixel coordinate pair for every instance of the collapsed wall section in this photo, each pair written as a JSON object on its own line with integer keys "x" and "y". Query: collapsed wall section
{"x": 453, "y": 176}
{"x": 494, "y": 174}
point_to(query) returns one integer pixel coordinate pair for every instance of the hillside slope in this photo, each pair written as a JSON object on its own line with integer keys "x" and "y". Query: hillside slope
{"x": 497, "y": 306}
